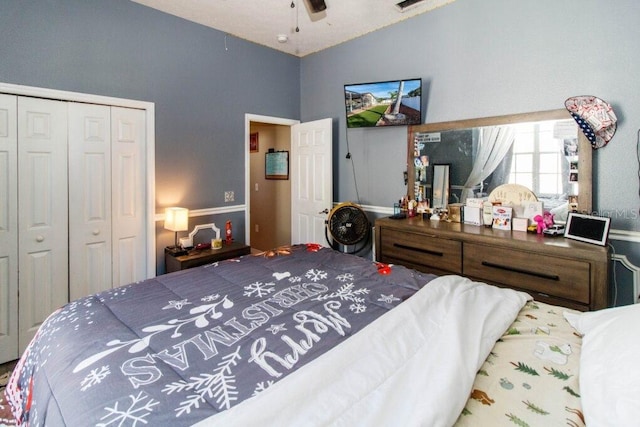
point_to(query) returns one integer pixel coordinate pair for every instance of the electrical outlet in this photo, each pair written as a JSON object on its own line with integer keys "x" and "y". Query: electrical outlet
{"x": 229, "y": 196}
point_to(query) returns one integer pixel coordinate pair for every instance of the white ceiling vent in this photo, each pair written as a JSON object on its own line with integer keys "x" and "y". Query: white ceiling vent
{"x": 407, "y": 4}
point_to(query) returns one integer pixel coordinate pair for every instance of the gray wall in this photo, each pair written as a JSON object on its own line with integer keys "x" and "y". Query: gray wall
{"x": 476, "y": 59}
{"x": 202, "y": 84}
{"x": 487, "y": 58}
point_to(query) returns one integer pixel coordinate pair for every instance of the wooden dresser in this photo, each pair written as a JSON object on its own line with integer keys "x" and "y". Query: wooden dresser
{"x": 551, "y": 269}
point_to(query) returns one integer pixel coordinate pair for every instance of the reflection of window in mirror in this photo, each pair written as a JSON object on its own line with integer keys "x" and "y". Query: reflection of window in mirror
{"x": 543, "y": 154}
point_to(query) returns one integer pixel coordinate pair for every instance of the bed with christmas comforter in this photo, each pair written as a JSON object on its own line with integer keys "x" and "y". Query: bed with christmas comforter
{"x": 298, "y": 336}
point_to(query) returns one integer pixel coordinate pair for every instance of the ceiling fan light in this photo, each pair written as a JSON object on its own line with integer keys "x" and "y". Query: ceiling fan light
{"x": 317, "y": 5}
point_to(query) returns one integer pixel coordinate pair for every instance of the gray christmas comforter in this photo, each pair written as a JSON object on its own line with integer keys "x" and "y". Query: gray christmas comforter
{"x": 179, "y": 348}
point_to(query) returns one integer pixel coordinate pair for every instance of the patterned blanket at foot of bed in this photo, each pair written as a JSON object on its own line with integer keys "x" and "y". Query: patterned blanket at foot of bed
{"x": 531, "y": 376}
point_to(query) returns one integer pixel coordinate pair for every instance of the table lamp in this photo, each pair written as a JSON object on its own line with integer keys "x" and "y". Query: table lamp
{"x": 176, "y": 219}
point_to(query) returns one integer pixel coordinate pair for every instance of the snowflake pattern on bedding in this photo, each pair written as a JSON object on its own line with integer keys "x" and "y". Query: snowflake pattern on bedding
{"x": 259, "y": 289}
{"x": 140, "y": 406}
{"x": 96, "y": 376}
{"x": 196, "y": 347}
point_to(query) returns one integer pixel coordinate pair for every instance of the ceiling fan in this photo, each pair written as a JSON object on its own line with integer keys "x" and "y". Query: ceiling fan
{"x": 320, "y": 5}
{"x": 317, "y": 5}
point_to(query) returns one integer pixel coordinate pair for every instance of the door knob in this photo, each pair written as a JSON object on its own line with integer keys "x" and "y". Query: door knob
{"x": 96, "y": 231}
{"x": 325, "y": 211}
{"x": 39, "y": 238}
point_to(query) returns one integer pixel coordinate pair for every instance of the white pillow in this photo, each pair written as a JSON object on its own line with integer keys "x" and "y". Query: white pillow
{"x": 609, "y": 365}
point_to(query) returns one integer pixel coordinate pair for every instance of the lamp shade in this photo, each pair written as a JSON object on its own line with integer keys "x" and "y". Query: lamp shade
{"x": 176, "y": 219}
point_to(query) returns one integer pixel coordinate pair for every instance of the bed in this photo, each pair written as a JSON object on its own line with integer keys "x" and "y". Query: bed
{"x": 308, "y": 336}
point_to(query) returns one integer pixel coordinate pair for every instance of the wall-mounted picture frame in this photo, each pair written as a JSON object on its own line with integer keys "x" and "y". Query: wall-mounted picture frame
{"x": 253, "y": 143}
{"x": 276, "y": 165}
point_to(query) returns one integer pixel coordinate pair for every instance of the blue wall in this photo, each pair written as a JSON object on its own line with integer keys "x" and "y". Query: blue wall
{"x": 487, "y": 58}
{"x": 476, "y": 59}
{"x": 201, "y": 81}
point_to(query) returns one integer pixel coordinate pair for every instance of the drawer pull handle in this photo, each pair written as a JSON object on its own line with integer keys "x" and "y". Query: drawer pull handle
{"x": 412, "y": 248}
{"x": 522, "y": 271}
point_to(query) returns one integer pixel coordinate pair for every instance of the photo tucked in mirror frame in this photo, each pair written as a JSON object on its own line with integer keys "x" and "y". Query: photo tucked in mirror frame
{"x": 543, "y": 151}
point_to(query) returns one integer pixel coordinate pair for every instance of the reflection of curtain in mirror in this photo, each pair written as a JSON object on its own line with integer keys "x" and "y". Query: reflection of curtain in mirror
{"x": 501, "y": 174}
{"x": 495, "y": 142}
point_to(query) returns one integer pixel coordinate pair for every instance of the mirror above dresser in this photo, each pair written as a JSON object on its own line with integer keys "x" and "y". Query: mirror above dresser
{"x": 542, "y": 151}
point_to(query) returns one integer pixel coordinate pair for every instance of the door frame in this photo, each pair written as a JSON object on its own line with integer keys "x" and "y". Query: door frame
{"x": 248, "y": 119}
{"x": 149, "y": 108}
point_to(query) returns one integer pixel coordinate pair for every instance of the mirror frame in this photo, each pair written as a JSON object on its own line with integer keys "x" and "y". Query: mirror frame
{"x": 585, "y": 150}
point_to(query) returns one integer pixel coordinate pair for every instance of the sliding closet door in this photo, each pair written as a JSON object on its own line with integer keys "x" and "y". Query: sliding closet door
{"x": 128, "y": 161}
{"x": 42, "y": 203}
{"x": 8, "y": 229}
{"x": 89, "y": 199}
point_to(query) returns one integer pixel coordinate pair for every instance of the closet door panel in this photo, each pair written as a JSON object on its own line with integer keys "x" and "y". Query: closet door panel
{"x": 42, "y": 203}
{"x": 8, "y": 229}
{"x": 128, "y": 195}
{"x": 89, "y": 199}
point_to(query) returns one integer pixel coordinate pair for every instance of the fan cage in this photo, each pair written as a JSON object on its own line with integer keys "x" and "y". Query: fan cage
{"x": 348, "y": 225}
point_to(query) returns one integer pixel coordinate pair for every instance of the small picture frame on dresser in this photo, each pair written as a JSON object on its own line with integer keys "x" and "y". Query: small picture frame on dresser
{"x": 502, "y": 217}
{"x": 587, "y": 228}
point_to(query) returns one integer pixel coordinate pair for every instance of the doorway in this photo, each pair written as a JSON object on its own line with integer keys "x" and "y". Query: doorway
{"x": 268, "y": 222}
{"x": 310, "y": 179}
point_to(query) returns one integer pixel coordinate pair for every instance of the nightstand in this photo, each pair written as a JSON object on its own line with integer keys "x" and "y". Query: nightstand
{"x": 196, "y": 257}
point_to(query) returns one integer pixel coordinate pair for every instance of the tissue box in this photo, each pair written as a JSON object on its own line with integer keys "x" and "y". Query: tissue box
{"x": 472, "y": 215}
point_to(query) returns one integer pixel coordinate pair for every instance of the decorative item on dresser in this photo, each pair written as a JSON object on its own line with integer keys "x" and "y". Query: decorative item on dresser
{"x": 559, "y": 271}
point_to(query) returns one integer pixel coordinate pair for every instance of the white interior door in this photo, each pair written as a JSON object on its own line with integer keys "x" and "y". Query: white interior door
{"x": 42, "y": 203}
{"x": 89, "y": 199}
{"x": 8, "y": 228}
{"x": 312, "y": 180}
{"x": 128, "y": 185}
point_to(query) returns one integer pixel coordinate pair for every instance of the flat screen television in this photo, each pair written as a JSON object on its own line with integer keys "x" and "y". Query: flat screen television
{"x": 378, "y": 104}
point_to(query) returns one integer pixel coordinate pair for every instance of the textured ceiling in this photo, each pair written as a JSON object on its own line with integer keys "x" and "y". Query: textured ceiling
{"x": 266, "y": 21}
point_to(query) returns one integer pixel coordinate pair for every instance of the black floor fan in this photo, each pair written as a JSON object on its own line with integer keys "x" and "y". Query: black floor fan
{"x": 349, "y": 227}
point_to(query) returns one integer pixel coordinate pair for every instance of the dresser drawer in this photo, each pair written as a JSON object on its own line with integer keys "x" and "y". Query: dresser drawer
{"x": 420, "y": 251}
{"x": 556, "y": 277}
